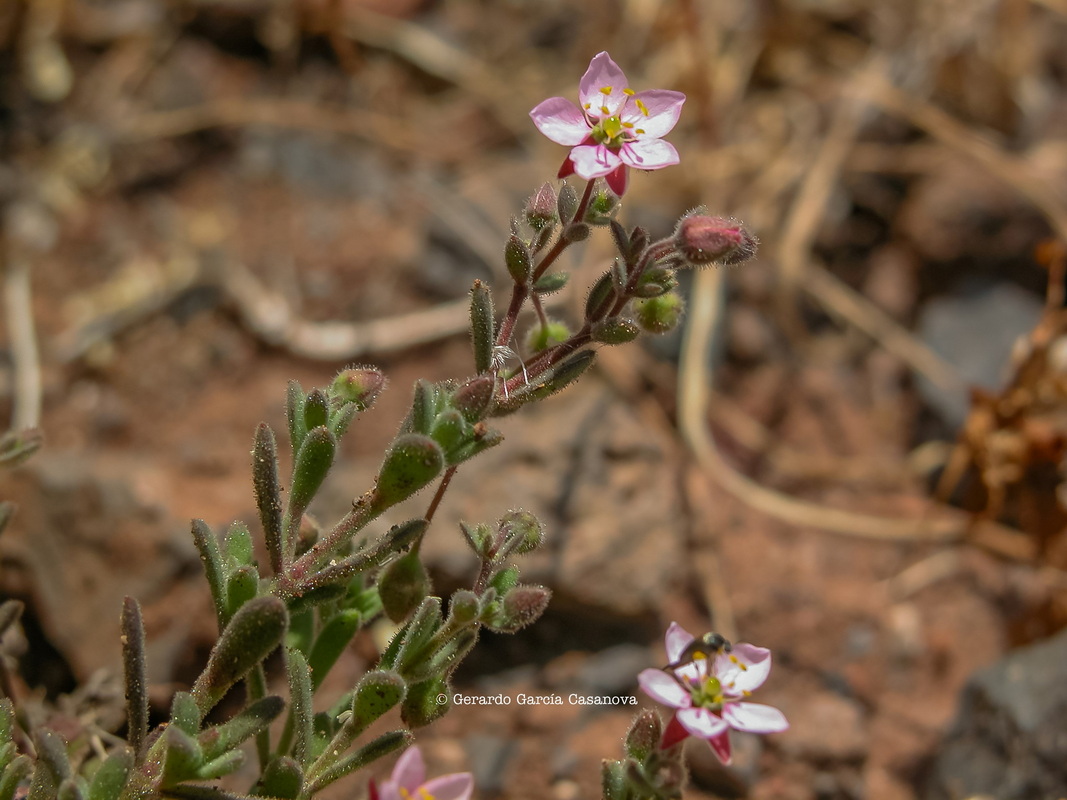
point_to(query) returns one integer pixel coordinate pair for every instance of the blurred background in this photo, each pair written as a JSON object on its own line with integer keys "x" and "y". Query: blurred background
{"x": 853, "y": 456}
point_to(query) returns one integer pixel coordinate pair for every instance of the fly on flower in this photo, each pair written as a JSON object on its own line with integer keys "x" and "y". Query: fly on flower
{"x": 615, "y": 127}
{"x": 703, "y": 648}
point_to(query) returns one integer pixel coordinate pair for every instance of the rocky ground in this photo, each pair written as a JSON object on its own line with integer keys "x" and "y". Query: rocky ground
{"x": 200, "y": 189}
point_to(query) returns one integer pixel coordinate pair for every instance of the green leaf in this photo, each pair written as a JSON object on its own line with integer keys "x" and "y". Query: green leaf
{"x": 239, "y": 547}
{"x": 379, "y": 748}
{"x": 403, "y": 585}
{"x": 426, "y": 702}
{"x": 302, "y": 715}
{"x": 316, "y": 409}
{"x": 253, "y": 718}
{"x": 255, "y": 630}
{"x": 411, "y": 463}
{"x": 241, "y": 587}
{"x": 282, "y": 779}
{"x": 268, "y": 492}
{"x": 210, "y": 556}
{"x": 312, "y": 464}
{"x": 134, "y": 670}
{"x": 331, "y": 642}
{"x": 482, "y": 327}
{"x": 13, "y": 775}
{"x": 294, "y": 413}
{"x": 110, "y": 779}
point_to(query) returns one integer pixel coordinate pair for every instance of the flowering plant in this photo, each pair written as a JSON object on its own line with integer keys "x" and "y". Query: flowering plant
{"x": 318, "y": 586}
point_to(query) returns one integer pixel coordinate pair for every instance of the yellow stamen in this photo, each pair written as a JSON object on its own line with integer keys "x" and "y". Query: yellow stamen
{"x": 638, "y": 130}
{"x": 629, "y": 92}
{"x": 642, "y": 107}
{"x": 627, "y": 124}
{"x": 587, "y": 106}
{"x": 605, "y": 90}
{"x": 605, "y": 110}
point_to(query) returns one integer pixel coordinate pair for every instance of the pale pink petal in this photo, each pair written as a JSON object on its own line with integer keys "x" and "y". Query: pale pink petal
{"x": 603, "y": 74}
{"x": 701, "y": 723}
{"x": 661, "y": 687}
{"x": 561, "y": 121}
{"x": 754, "y": 718}
{"x": 410, "y": 770}
{"x": 742, "y": 670}
{"x": 720, "y": 746}
{"x": 676, "y": 640}
{"x": 593, "y": 160}
{"x": 457, "y": 786}
{"x": 663, "y": 107}
{"x": 649, "y": 154}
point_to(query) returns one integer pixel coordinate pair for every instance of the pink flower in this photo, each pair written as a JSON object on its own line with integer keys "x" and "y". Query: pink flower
{"x": 706, "y": 691}
{"x": 615, "y": 128}
{"x": 408, "y": 782}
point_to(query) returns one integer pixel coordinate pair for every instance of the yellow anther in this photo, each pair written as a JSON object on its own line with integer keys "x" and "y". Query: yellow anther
{"x": 587, "y": 106}
{"x": 605, "y": 110}
{"x": 605, "y": 90}
{"x": 629, "y": 92}
{"x": 642, "y": 107}
{"x": 627, "y": 124}
{"x": 639, "y": 130}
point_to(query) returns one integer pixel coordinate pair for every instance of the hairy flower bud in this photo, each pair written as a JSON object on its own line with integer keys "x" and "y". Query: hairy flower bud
{"x": 701, "y": 240}
{"x": 659, "y": 314}
{"x": 540, "y": 209}
{"x": 360, "y": 385}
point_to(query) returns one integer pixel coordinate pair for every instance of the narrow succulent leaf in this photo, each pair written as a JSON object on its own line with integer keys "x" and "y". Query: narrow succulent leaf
{"x": 282, "y": 779}
{"x": 423, "y": 407}
{"x": 335, "y": 636}
{"x": 301, "y": 631}
{"x": 483, "y": 439}
{"x": 301, "y": 713}
{"x": 223, "y": 765}
{"x": 294, "y": 414}
{"x": 53, "y": 765}
{"x": 483, "y": 329}
{"x": 379, "y": 748}
{"x": 596, "y": 304}
{"x": 241, "y": 587}
{"x": 613, "y": 781}
{"x": 239, "y": 548}
{"x": 252, "y": 719}
{"x": 551, "y": 282}
{"x": 621, "y": 238}
{"x": 184, "y": 713}
{"x": 412, "y": 462}
{"x": 183, "y": 757}
{"x": 313, "y": 462}
{"x": 208, "y": 546}
{"x": 314, "y": 597}
{"x": 415, "y": 648}
{"x": 395, "y": 539}
{"x": 255, "y": 630}
{"x": 268, "y": 492}
{"x": 8, "y": 750}
{"x": 110, "y": 779}
{"x": 316, "y": 409}
{"x": 135, "y": 675}
{"x": 449, "y": 656}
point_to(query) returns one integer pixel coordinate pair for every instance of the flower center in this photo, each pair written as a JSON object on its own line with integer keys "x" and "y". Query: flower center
{"x": 612, "y": 132}
{"x": 708, "y": 694}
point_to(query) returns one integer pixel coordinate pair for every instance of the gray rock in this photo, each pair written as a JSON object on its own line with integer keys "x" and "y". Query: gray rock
{"x": 1009, "y": 740}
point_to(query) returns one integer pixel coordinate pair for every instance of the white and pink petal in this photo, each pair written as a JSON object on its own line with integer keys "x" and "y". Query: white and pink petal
{"x": 754, "y": 718}
{"x": 561, "y": 121}
{"x": 675, "y": 641}
{"x": 602, "y": 87}
{"x": 593, "y": 160}
{"x": 663, "y": 688}
{"x": 649, "y": 154}
{"x": 654, "y": 111}
{"x": 457, "y": 786}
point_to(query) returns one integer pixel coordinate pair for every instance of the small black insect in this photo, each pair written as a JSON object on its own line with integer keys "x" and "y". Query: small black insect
{"x": 703, "y": 647}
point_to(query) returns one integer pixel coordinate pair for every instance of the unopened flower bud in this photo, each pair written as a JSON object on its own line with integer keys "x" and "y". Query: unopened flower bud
{"x": 644, "y": 735}
{"x": 522, "y": 606}
{"x": 659, "y": 314}
{"x": 703, "y": 240}
{"x": 522, "y": 532}
{"x": 360, "y": 385}
{"x": 540, "y": 209}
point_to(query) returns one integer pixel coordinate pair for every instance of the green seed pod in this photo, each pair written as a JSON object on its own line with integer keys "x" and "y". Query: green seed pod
{"x": 551, "y": 282}
{"x": 518, "y": 260}
{"x": 659, "y": 314}
{"x": 596, "y": 304}
{"x": 602, "y": 208}
{"x": 403, "y": 586}
{"x": 615, "y": 330}
{"x": 411, "y": 462}
{"x": 474, "y": 398}
{"x": 482, "y": 327}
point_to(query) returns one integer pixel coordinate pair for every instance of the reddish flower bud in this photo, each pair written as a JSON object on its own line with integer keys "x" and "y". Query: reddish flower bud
{"x": 703, "y": 240}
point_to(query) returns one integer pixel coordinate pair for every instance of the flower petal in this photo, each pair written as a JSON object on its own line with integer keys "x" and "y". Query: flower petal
{"x": 654, "y": 111}
{"x": 661, "y": 687}
{"x": 720, "y": 746}
{"x": 742, "y": 670}
{"x": 561, "y": 121}
{"x": 649, "y": 154}
{"x": 593, "y": 160}
{"x": 601, "y": 87}
{"x": 457, "y": 786}
{"x": 754, "y": 718}
{"x": 409, "y": 771}
{"x": 701, "y": 723}
{"x": 676, "y": 640}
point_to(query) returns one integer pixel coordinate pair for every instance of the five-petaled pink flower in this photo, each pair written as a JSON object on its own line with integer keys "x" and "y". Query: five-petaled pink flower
{"x": 707, "y": 693}
{"x": 615, "y": 128}
{"x": 408, "y": 782}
